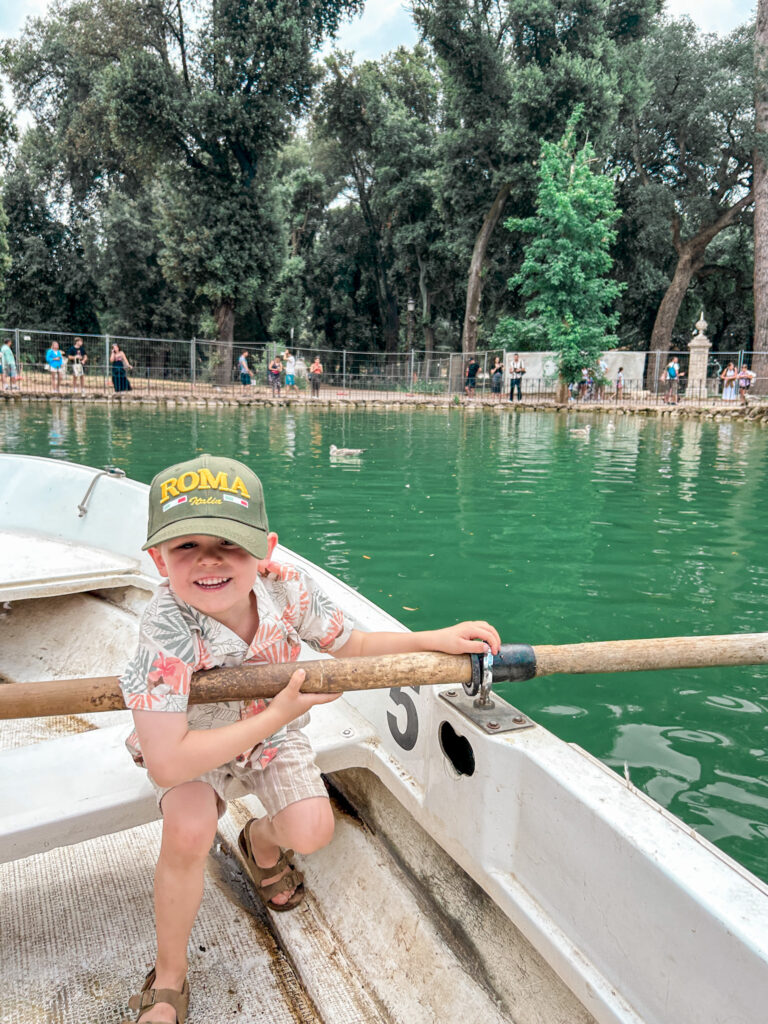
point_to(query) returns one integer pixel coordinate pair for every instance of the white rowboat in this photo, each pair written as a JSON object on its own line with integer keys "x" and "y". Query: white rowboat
{"x": 473, "y": 876}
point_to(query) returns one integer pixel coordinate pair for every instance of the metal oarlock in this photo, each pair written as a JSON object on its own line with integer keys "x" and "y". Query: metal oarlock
{"x": 513, "y": 662}
{"x": 483, "y": 700}
{"x": 472, "y": 687}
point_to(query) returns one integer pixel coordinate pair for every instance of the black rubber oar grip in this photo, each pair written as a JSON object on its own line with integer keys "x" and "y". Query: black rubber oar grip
{"x": 514, "y": 663}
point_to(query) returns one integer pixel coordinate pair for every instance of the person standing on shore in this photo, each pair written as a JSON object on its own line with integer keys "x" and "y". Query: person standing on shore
{"x": 275, "y": 370}
{"x": 516, "y": 371}
{"x": 728, "y": 377}
{"x": 497, "y": 375}
{"x": 120, "y": 366}
{"x": 10, "y": 373}
{"x": 745, "y": 378}
{"x": 673, "y": 375}
{"x": 54, "y": 360}
{"x": 290, "y": 371}
{"x": 244, "y": 368}
{"x": 470, "y": 376}
{"x": 315, "y": 376}
{"x": 77, "y": 357}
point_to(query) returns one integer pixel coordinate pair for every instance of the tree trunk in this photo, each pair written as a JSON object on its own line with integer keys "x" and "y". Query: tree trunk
{"x": 689, "y": 261}
{"x": 387, "y": 303}
{"x": 760, "y": 186}
{"x": 426, "y": 308}
{"x": 391, "y": 319}
{"x": 386, "y": 300}
{"x": 475, "y": 283}
{"x": 691, "y": 258}
{"x": 225, "y": 335}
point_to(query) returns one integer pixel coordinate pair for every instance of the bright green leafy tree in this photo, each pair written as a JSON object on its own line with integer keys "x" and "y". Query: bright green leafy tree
{"x": 565, "y": 275}
{"x": 511, "y": 70}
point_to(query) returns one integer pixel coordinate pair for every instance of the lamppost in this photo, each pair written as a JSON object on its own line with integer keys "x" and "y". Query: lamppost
{"x": 409, "y": 328}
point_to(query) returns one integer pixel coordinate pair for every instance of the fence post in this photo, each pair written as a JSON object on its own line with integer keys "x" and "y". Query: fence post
{"x": 343, "y": 369}
{"x": 192, "y": 362}
{"x": 16, "y": 346}
{"x": 450, "y": 374}
{"x": 410, "y": 382}
{"x": 106, "y": 360}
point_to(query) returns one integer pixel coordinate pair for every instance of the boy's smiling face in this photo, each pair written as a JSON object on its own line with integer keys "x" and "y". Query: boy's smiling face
{"x": 213, "y": 576}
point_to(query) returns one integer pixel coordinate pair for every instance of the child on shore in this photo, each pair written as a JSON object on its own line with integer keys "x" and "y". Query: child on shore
{"x": 224, "y": 601}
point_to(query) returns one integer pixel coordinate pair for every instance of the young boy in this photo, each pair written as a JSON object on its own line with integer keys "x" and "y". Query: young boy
{"x": 224, "y": 601}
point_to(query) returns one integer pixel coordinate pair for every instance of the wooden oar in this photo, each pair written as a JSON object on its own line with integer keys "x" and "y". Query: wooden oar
{"x": 514, "y": 662}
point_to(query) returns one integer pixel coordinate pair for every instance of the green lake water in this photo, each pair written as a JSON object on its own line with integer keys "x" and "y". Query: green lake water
{"x": 646, "y": 528}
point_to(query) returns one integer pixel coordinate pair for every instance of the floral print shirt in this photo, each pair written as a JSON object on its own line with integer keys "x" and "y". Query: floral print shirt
{"x": 176, "y": 640}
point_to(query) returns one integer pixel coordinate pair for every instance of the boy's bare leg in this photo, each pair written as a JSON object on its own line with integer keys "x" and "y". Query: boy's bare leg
{"x": 304, "y": 826}
{"x": 190, "y": 819}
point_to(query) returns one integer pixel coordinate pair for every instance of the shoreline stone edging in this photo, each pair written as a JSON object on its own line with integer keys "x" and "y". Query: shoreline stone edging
{"x": 753, "y": 412}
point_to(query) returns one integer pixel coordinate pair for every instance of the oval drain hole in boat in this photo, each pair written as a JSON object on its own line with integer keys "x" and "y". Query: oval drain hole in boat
{"x": 457, "y": 749}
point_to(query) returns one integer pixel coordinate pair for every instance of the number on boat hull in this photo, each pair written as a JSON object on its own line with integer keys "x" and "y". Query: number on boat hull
{"x": 405, "y": 738}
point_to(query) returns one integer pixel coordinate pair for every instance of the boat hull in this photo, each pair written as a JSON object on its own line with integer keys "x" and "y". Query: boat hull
{"x": 531, "y": 857}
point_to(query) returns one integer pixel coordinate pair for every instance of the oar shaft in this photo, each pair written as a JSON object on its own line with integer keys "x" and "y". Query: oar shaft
{"x": 650, "y": 655}
{"x": 515, "y": 662}
{"x": 242, "y": 682}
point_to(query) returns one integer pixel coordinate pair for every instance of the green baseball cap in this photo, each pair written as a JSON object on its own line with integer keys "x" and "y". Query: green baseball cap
{"x": 216, "y": 497}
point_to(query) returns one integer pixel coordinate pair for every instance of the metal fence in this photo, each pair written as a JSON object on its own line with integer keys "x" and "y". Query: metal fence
{"x": 193, "y": 367}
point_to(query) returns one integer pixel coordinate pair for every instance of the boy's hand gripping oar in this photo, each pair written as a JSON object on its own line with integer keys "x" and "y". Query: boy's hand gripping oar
{"x": 514, "y": 662}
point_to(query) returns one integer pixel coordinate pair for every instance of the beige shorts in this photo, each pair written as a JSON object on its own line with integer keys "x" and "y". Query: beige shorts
{"x": 289, "y": 777}
{"x": 77, "y": 369}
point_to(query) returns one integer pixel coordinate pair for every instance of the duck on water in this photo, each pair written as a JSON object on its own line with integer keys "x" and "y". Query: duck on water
{"x": 342, "y": 453}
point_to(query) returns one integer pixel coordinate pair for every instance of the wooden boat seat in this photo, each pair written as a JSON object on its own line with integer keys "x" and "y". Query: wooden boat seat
{"x": 40, "y": 566}
{"x": 76, "y": 787}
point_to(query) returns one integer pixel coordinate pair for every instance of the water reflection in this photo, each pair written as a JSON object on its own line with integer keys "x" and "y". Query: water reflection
{"x": 57, "y": 432}
{"x": 640, "y": 531}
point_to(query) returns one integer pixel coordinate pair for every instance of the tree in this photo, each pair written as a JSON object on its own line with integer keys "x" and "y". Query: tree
{"x": 565, "y": 273}
{"x": 198, "y": 96}
{"x": 5, "y": 256}
{"x": 512, "y": 72}
{"x": 686, "y": 153}
{"x": 7, "y": 135}
{"x": 760, "y": 186}
{"x": 381, "y": 119}
{"x": 123, "y": 249}
{"x": 48, "y": 284}
{"x": 303, "y": 195}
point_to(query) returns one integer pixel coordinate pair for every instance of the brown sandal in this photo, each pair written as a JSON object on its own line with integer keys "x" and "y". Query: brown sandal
{"x": 294, "y": 878}
{"x": 149, "y": 996}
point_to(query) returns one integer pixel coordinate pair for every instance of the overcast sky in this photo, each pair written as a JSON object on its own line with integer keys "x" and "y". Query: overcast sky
{"x": 386, "y": 23}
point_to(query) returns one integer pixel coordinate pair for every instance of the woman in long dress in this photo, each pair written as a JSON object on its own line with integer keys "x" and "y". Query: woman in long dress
{"x": 728, "y": 377}
{"x": 120, "y": 366}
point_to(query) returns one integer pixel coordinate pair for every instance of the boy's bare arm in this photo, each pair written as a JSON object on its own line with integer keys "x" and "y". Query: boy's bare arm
{"x": 173, "y": 753}
{"x": 463, "y": 638}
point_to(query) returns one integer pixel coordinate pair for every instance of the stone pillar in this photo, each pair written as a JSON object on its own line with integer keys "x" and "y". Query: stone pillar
{"x": 699, "y": 347}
